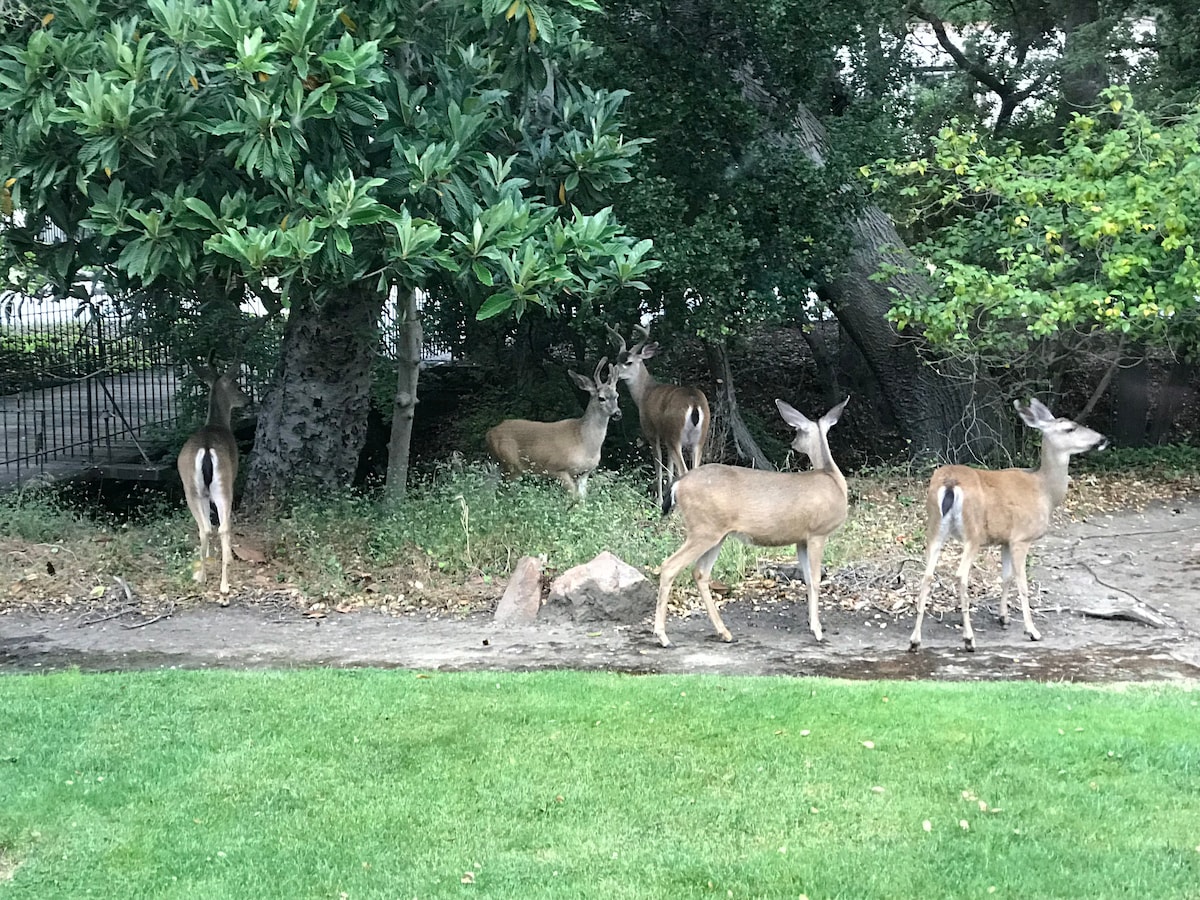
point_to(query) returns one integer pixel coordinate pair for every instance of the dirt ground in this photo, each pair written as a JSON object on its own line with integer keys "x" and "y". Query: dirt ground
{"x": 1142, "y": 564}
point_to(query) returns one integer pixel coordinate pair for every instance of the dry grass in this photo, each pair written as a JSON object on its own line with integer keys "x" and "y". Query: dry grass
{"x": 134, "y": 573}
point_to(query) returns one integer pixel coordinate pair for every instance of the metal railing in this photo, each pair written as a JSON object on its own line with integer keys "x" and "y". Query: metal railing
{"x": 78, "y": 387}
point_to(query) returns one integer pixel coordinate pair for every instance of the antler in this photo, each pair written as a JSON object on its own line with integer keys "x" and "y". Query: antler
{"x": 600, "y": 365}
{"x": 645, "y": 333}
{"x": 616, "y": 336}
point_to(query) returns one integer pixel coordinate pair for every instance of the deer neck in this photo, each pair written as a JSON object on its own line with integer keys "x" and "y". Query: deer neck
{"x": 1052, "y": 473}
{"x": 641, "y": 384}
{"x": 594, "y": 425}
{"x": 220, "y": 410}
{"x": 823, "y": 462}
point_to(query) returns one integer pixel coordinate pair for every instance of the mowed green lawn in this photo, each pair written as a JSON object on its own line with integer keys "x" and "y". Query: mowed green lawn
{"x": 396, "y": 784}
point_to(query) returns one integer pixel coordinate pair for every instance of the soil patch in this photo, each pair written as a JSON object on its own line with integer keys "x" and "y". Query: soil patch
{"x": 1146, "y": 561}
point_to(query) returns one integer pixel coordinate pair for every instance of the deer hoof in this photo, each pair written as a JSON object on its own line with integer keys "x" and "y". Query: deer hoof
{"x": 726, "y": 636}
{"x": 1004, "y": 621}
{"x": 914, "y": 646}
{"x": 969, "y": 644}
{"x": 1035, "y": 635}
{"x": 662, "y": 639}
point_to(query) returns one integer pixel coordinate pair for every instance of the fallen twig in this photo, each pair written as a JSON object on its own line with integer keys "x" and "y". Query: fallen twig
{"x": 160, "y": 616}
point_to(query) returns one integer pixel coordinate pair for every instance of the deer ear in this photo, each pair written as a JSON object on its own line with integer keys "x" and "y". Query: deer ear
{"x": 1035, "y": 415}
{"x": 792, "y": 416}
{"x": 831, "y": 418}
{"x": 649, "y": 350}
{"x": 583, "y": 382}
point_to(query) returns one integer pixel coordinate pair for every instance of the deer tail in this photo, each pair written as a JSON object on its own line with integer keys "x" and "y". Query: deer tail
{"x": 951, "y": 496}
{"x": 669, "y": 499}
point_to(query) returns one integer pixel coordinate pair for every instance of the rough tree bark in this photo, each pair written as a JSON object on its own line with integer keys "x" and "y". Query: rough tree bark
{"x": 313, "y": 420}
{"x": 725, "y": 412}
{"x": 408, "y": 369}
{"x": 943, "y": 412}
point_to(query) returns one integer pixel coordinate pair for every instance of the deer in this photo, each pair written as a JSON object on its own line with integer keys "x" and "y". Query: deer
{"x": 1008, "y": 507}
{"x": 208, "y": 465}
{"x": 671, "y": 415}
{"x": 771, "y": 509}
{"x": 570, "y": 449}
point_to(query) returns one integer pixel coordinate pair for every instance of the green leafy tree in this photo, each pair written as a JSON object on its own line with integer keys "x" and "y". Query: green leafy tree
{"x": 1035, "y": 256}
{"x": 320, "y": 158}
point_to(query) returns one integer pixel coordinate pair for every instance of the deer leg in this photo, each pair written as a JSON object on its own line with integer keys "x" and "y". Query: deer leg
{"x": 565, "y": 479}
{"x": 964, "y": 575}
{"x": 931, "y": 561}
{"x": 814, "y": 551}
{"x": 691, "y": 550}
{"x": 658, "y": 473}
{"x": 198, "y": 505}
{"x": 703, "y": 575}
{"x": 676, "y": 462}
{"x": 1019, "y": 552}
{"x": 1006, "y": 573}
{"x": 224, "y": 503}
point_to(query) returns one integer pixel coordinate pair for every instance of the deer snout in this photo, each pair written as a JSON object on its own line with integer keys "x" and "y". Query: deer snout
{"x": 616, "y": 415}
{"x": 1103, "y": 445}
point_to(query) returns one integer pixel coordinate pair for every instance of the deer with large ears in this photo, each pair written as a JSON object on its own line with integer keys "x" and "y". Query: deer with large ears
{"x": 570, "y": 449}
{"x": 772, "y": 509}
{"x": 1009, "y": 507}
{"x": 672, "y": 416}
{"x": 208, "y": 464}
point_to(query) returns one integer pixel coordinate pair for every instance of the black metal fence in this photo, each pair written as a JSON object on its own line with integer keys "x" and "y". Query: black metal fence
{"x": 79, "y": 387}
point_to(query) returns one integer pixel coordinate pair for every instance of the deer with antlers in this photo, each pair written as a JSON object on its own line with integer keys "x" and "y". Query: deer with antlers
{"x": 569, "y": 450}
{"x": 1008, "y": 507}
{"x": 771, "y": 509}
{"x": 208, "y": 464}
{"x": 671, "y": 415}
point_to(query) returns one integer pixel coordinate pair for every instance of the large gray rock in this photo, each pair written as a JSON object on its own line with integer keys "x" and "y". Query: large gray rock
{"x": 607, "y": 589}
{"x": 523, "y": 595}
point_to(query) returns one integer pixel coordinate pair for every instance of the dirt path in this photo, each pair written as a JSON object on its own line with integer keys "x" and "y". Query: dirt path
{"x": 1147, "y": 561}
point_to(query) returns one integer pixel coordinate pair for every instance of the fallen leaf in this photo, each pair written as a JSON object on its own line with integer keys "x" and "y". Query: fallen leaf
{"x": 927, "y": 825}
{"x": 468, "y": 878}
{"x": 250, "y": 553}
{"x": 870, "y": 745}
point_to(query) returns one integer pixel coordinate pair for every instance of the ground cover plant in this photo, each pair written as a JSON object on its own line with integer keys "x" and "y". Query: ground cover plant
{"x": 375, "y": 783}
{"x": 452, "y": 543}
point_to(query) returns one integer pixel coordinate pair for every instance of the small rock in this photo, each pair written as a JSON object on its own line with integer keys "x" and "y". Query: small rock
{"x": 523, "y": 596}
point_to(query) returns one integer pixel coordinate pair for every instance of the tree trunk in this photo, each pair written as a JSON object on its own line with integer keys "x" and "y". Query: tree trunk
{"x": 1171, "y": 399}
{"x": 823, "y": 357}
{"x": 1132, "y": 401}
{"x": 725, "y": 411}
{"x": 408, "y": 369}
{"x": 1083, "y": 71}
{"x": 313, "y": 420}
{"x": 942, "y": 412}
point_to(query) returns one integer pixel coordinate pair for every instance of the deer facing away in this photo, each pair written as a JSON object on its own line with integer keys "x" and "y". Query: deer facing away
{"x": 1009, "y": 507}
{"x": 570, "y": 449}
{"x": 670, "y": 415}
{"x": 208, "y": 465}
{"x": 772, "y": 509}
